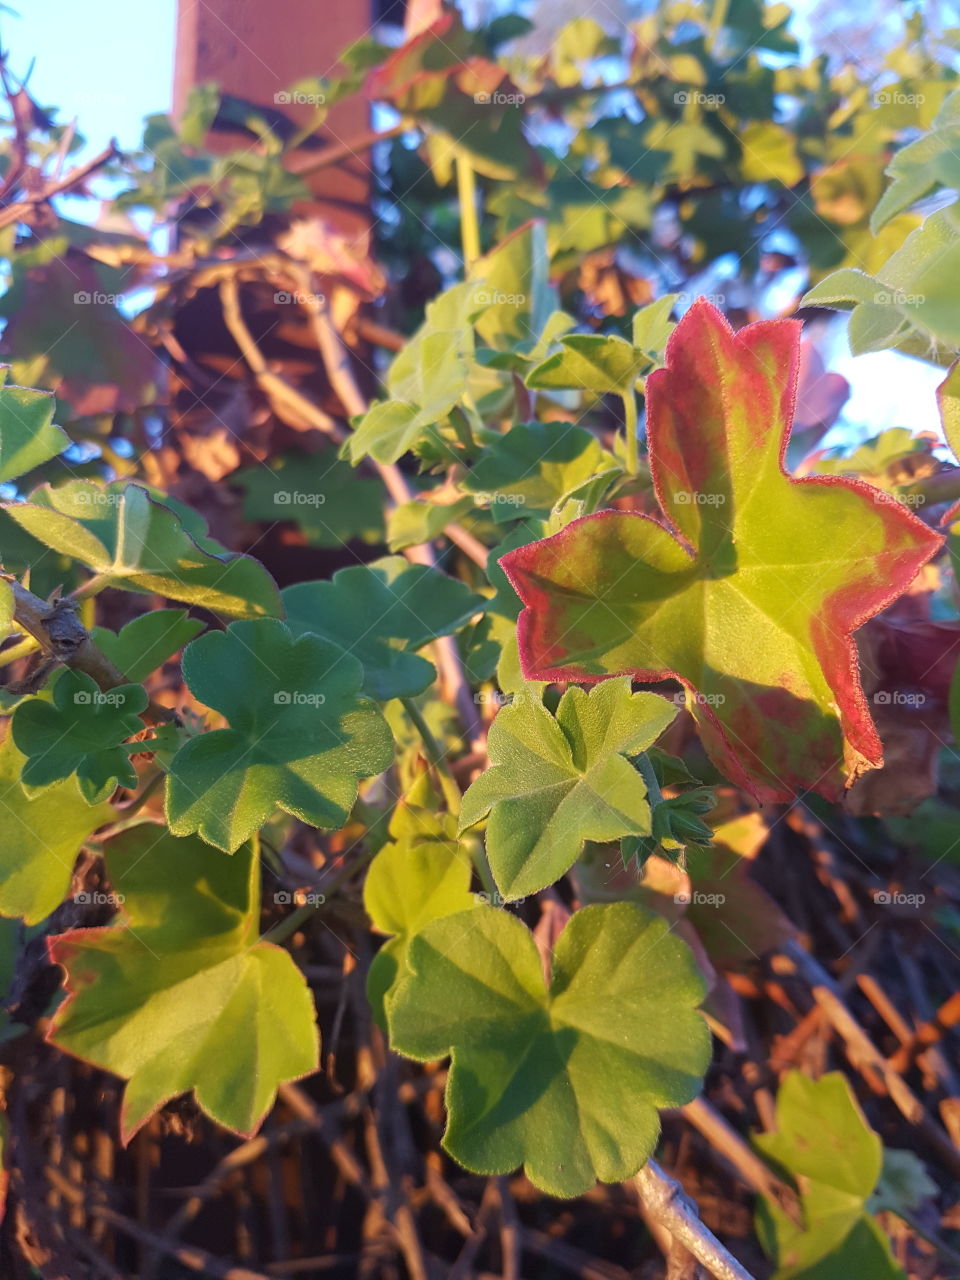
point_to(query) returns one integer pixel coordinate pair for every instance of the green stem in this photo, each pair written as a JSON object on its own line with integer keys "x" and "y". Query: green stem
{"x": 149, "y": 787}
{"x": 650, "y": 778}
{"x": 631, "y": 427}
{"x": 469, "y": 222}
{"x": 435, "y": 757}
{"x": 452, "y": 796}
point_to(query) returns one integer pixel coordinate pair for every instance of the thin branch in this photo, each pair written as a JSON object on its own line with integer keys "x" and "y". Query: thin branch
{"x": 62, "y": 636}
{"x": 302, "y": 165}
{"x": 668, "y": 1204}
{"x": 20, "y": 211}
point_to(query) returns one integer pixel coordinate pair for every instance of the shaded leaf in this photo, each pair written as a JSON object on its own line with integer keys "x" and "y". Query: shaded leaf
{"x": 565, "y": 1079}
{"x": 326, "y": 498}
{"x": 79, "y": 733}
{"x": 380, "y": 613}
{"x": 530, "y": 468}
{"x": 144, "y": 644}
{"x": 300, "y": 735}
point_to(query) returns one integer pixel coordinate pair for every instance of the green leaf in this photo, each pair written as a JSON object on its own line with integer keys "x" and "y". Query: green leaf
{"x": 754, "y": 610}
{"x": 909, "y": 303}
{"x": 557, "y": 782}
{"x": 183, "y": 996}
{"x": 823, "y": 1139}
{"x": 591, "y": 362}
{"x": 380, "y": 612}
{"x": 948, "y": 399}
{"x": 136, "y": 543}
{"x": 770, "y": 154}
{"x": 425, "y": 381}
{"x": 564, "y": 1078}
{"x": 330, "y": 502}
{"x": 79, "y": 733}
{"x": 416, "y": 522}
{"x": 144, "y": 644}
{"x": 411, "y": 882}
{"x": 41, "y": 840}
{"x": 530, "y": 468}
{"x": 923, "y": 166}
{"x": 300, "y": 735}
{"x": 27, "y": 434}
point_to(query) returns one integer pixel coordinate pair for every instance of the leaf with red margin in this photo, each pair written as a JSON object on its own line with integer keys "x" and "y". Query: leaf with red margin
{"x": 750, "y": 594}
{"x": 183, "y": 996}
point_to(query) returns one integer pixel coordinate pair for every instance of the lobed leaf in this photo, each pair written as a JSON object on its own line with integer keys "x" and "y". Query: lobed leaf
{"x": 183, "y": 996}
{"x": 751, "y": 604}
{"x": 380, "y": 612}
{"x": 564, "y": 1077}
{"x": 79, "y": 734}
{"x": 555, "y": 782}
{"x": 300, "y": 734}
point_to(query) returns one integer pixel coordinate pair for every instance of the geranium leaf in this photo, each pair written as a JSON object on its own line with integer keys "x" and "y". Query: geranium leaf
{"x": 933, "y": 160}
{"x": 590, "y": 362}
{"x": 416, "y": 522}
{"x": 79, "y": 733}
{"x": 41, "y": 839}
{"x": 526, "y": 471}
{"x": 948, "y": 398}
{"x": 182, "y": 996}
{"x": 823, "y": 1140}
{"x": 556, "y": 782}
{"x": 147, "y": 642}
{"x": 300, "y": 735}
{"x": 753, "y": 610}
{"x": 120, "y": 532}
{"x": 380, "y": 613}
{"x": 410, "y": 882}
{"x": 328, "y": 500}
{"x": 28, "y": 436}
{"x": 565, "y": 1079}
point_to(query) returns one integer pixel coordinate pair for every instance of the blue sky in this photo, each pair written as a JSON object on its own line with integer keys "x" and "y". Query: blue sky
{"x": 108, "y": 62}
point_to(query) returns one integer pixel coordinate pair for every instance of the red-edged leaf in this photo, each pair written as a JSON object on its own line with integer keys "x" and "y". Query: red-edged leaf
{"x": 751, "y": 594}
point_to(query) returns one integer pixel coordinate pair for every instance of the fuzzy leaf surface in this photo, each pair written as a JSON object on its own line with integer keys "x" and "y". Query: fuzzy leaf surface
{"x": 565, "y": 1079}
{"x": 182, "y": 996}
{"x": 750, "y": 595}
{"x": 300, "y": 734}
{"x": 555, "y": 782}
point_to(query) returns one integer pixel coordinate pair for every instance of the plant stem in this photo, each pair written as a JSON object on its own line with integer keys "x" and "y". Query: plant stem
{"x": 631, "y": 426}
{"x": 436, "y": 758}
{"x": 469, "y": 223}
{"x": 21, "y": 649}
{"x": 666, "y": 1202}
